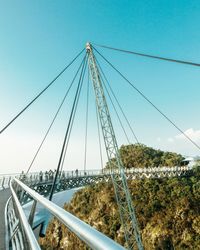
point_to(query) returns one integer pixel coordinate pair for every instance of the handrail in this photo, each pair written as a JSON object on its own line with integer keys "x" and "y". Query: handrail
{"x": 150, "y": 172}
{"x": 92, "y": 172}
{"x": 6, "y": 223}
{"x": 93, "y": 238}
{"x": 31, "y": 241}
{"x": 40, "y": 178}
{"x": 34, "y": 178}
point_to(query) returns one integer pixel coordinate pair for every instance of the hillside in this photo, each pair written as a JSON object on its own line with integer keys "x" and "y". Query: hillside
{"x": 168, "y": 212}
{"x": 141, "y": 156}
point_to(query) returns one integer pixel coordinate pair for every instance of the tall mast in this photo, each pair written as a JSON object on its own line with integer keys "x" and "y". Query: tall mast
{"x": 122, "y": 193}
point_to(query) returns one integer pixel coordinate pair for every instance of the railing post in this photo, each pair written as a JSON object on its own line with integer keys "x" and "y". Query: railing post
{"x": 2, "y": 185}
{"x": 32, "y": 213}
{"x": 21, "y": 195}
{"x": 43, "y": 228}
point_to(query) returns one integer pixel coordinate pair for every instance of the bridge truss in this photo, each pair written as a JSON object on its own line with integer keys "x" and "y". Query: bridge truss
{"x": 122, "y": 193}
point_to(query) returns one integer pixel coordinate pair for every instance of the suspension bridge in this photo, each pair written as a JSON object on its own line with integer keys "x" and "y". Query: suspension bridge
{"x": 39, "y": 188}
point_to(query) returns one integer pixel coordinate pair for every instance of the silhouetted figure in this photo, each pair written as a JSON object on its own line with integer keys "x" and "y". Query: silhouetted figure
{"x": 40, "y": 175}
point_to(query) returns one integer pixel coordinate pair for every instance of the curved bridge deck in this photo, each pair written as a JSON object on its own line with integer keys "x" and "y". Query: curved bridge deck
{"x": 41, "y": 182}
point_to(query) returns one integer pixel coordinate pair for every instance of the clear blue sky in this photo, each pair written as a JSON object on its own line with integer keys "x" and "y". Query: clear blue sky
{"x": 38, "y": 38}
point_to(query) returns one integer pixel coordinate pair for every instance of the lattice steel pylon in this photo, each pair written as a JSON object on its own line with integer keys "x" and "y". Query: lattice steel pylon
{"x": 122, "y": 193}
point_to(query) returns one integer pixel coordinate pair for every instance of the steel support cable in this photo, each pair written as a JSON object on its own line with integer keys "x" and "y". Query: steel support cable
{"x": 73, "y": 118}
{"x": 150, "y": 56}
{"x": 67, "y": 131}
{"x": 38, "y": 95}
{"x": 86, "y": 124}
{"x": 71, "y": 121}
{"x": 54, "y": 118}
{"x": 120, "y": 107}
{"x": 70, "y": 130}
{"x": 149, "y": 101}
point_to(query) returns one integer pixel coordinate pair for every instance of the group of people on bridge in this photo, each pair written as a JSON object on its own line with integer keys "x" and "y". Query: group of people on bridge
{"x": 49, "y": 175}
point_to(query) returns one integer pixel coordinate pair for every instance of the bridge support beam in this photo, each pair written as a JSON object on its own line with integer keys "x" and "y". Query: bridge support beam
{"x": 122, "y": 193}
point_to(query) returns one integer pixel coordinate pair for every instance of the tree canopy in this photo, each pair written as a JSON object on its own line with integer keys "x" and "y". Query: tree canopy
{"x": 141, "y": 156}
{"x": 167, "y": 209}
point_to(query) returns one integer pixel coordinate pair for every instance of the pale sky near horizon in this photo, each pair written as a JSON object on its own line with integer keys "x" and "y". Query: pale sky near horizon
{"x": 39, "y": 38}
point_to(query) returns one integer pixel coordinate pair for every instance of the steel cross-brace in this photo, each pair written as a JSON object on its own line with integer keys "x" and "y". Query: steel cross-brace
{"x": 122, "y": 193}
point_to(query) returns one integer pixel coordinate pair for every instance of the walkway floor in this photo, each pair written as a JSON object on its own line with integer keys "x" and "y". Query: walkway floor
{"x": 4, "y": 195}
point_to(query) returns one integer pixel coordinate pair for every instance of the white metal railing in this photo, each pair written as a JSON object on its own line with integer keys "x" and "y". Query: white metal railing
{"x": 93, "y": 238}
{"x": 26, "y": 239}
{"x": 15, "y": 216}
{"x": 5, "y": 179}
{"x": 49, "y": 175}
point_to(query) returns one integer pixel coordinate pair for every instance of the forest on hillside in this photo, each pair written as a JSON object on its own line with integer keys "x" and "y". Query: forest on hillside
{"x": 168, "y": 211}
{"x": 140, "y": 156}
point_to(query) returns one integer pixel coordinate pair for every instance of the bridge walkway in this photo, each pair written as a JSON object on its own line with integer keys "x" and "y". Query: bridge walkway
{"x": 4, "y": 195}
{"x": 40, "y": 183}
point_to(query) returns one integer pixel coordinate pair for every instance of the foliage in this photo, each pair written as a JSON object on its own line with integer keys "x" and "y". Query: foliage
{"x": 141, "y": 156}
{"x": 168, "y": 212}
